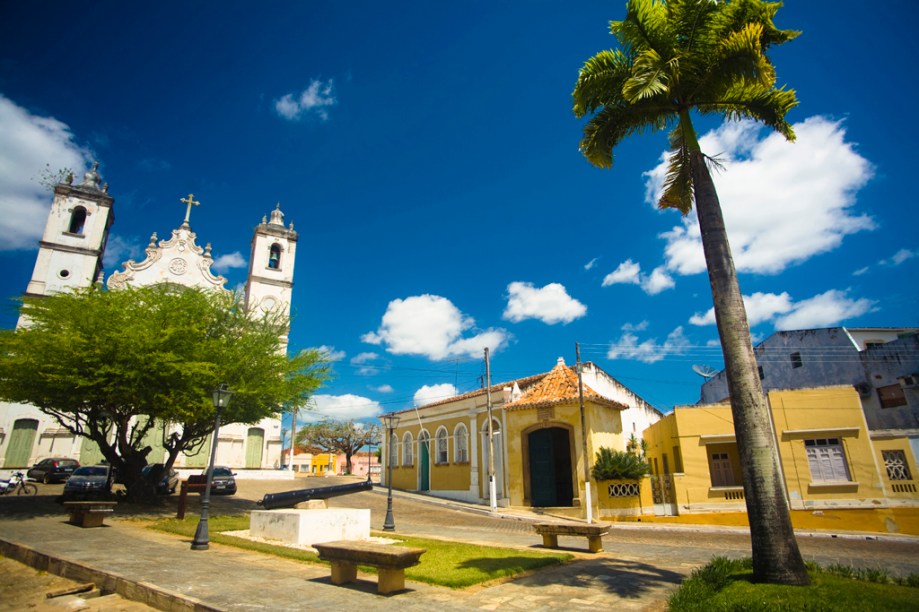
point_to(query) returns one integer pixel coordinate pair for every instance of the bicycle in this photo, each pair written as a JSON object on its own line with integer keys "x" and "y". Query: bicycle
{"x": 17, "y": 482}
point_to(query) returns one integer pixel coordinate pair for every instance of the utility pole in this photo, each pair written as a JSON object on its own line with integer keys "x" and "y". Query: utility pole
{"x": 492, "y": 493}
{"x": 293, "y": 438}
{"x": 577, "y": 350}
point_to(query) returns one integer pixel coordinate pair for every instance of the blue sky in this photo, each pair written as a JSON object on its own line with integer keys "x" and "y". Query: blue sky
{"x": 428, "y": 157}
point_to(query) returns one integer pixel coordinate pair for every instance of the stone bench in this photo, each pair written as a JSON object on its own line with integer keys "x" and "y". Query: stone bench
{"x": 592, "y": 531}
{"x": 390, "y": 561}
{"x": 89, "y": 513}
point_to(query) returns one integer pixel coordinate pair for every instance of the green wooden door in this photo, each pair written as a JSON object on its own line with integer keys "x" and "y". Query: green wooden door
{"x": 22, "y": 439}
{"x": 424, "y": 462}
{"x": 203, "y": 457}
{"x": 255, "y": 440}
{"x": 542, "y": 469}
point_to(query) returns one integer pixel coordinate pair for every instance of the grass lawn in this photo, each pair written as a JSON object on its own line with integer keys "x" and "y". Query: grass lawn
{"x": 450, "y": 564}
{"x": 725, "y": 585}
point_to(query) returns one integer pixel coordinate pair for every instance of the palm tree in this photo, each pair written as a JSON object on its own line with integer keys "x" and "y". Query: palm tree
{"x": 708, "y": 56}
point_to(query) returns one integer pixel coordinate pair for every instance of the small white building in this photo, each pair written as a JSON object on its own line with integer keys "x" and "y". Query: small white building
{"x": 70, "y": 257}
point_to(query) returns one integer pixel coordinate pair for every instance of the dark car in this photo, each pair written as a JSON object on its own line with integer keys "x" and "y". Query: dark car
{"x": 168, "y": 481}
{"x": 54, "y": 469}
{"x": 223, "y": 481}
{"x": 89, "y": 482}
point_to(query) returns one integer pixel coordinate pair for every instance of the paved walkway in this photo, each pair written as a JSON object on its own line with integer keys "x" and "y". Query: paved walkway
{"x": 641, "y": 566}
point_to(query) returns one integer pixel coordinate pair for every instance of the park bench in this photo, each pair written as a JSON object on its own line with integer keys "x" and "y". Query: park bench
{"x": 592, "y": 531}
{"x": 89, "y": 513}
{"x": 390, "y": 561}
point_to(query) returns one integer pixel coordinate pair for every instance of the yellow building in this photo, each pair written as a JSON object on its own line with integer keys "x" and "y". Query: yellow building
{"x": 828, "y": 458}
{"x": 442, "y": 449}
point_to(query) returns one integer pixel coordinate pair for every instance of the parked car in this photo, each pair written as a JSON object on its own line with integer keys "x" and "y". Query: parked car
{"x": 89, "y": 481}
{"x": 168, "y": 480}
{"x": 223, "y": 481}
{"x": 54, "y": 469}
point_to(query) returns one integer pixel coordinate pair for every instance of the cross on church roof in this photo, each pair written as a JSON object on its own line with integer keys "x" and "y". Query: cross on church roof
{"x": 190, "y": 200}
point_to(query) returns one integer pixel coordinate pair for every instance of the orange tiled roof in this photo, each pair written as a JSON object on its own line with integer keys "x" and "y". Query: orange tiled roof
{"x": 557, "y": 387}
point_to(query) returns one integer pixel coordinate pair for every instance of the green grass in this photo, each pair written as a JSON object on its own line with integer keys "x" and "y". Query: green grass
{"x": 725, "y": 585}
{"x": 451, "y": 564}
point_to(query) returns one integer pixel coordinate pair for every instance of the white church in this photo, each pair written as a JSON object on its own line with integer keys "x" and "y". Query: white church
{"x": 70, "y": 257}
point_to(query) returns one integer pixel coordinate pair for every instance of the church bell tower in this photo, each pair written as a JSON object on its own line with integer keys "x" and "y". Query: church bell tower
{"x": 71, "y": 248}
{"x": 271, "y": 266}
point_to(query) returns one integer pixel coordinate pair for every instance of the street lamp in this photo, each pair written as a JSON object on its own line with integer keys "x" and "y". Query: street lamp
{"x": 391, "y": 421}
{"x": 221, "y": 397}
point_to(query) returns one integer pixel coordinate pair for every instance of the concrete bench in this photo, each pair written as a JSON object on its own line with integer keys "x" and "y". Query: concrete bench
{"x": 593, "y": 532}
{"x": 89, "y": 513}
{"x": 390, "y": 561}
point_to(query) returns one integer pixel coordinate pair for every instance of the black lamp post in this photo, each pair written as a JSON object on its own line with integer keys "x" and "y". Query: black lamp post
{"x": 221, "y": 397}
{"x": 391, "y": 421}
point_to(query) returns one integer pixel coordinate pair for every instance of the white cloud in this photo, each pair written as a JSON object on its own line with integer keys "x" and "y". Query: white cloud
{"x": 315, "y": 99}
{"x": 365, "y": 365}
{"x": 118, "y": 250}
{"x": 824, "y": 310}
{"x": 383, "y": 389}
{"x": 330, "y": 353}
{"x": 30, "y": 146}
{"x": 628, "y": 272}
{"x": 550, "y": 304}
{"x": 760, "y": 307}
{"x": 901, "y": 256}
{"x": 433, "y": 393}
{"x": 861, "y": 271}
{"x": 649, "y": 351}
{"x": 226, "y": 262}
{"x": 783, "y": 202}
{"x": 431, "y": 326}
{"x": 590, "y": 264}
{"x": 339, "y": 407}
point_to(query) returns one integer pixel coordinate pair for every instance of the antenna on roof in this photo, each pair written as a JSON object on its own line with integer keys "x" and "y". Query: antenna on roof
{"x": 705, "y": 371}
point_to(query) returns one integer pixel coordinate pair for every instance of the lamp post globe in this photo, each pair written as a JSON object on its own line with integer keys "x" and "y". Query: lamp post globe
{"x": 391, "y": 421}
{"x": 221, "y": 397}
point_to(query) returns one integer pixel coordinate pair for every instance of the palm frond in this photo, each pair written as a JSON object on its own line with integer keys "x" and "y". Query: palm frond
{"x": 612, "y": 124}
{"x": 650, "y": 77}
{"x": 678, "y": 192}
{"x": 600, "y": 81}
{"x": 645, "y": 26}
{"x": 747, "y": 100}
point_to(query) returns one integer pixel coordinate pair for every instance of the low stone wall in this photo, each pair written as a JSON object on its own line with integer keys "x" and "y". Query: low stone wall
{"x": 617, "y": 498}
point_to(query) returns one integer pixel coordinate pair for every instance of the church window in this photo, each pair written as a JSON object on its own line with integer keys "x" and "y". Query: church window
{"x": 442, "y": 445}
{"x": 461, "y": 444}
{"x": 407, "y": 454}
{"x": 77, "y": 221}
{"x": 274, "y": 257}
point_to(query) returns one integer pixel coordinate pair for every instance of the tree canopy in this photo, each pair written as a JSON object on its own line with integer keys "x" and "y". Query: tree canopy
{"x": 117, "y": 366}
{"x": 346, "y": 437}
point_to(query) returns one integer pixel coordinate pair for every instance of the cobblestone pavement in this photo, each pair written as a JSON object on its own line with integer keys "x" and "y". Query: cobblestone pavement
{"x": 641, "y": 564}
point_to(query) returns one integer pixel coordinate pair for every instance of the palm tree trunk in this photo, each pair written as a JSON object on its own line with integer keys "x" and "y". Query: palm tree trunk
{"x": 776, "y": 558}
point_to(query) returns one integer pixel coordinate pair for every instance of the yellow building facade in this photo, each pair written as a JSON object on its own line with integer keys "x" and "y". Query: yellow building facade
{"x": 827, "y": 454}
{"x": 537, "y": 439}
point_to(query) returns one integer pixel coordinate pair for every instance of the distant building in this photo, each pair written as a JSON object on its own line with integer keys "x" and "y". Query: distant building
{"x": 442, "y": 449}
{"x": 881, "y": 364}
{"x": 827, "y": 457}
{"x": 70, "y": 257}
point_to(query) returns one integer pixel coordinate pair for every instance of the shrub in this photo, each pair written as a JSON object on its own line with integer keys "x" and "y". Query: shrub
{"x": 616, "y": 465}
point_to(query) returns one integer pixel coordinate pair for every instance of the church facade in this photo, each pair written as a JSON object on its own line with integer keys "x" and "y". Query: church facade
{"x": 70, "y": 257}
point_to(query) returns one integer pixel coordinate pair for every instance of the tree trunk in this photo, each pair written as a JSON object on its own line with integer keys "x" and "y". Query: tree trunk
{"x": 776, "y": 558}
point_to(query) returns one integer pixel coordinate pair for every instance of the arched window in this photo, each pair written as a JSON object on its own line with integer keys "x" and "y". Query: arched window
{"x": 77, "y": 220}
{"x": 393, "y": 450}
{"x": 274, "y": 256}
{"x": 407, "y": 454}
{"x": 460, "y": 444}
{"x": 442, "y": 445}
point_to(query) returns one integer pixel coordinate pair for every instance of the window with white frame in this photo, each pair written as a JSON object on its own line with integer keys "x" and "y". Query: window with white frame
{"x": 897, "y": 467}
{"x": 393, "y": 450}
{"x": 827, "y": 460}
{"x": 408, "y": 455}
{"x": 461, "y": 444}
{"x": 442, "y": 445}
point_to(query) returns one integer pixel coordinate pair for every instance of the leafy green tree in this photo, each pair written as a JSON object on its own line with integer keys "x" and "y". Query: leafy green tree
{"x": 618, "y": 465}
{"x": 707, "y": 56}
{"x": 346, "y": 437}
{"x": 117, "y": 366}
